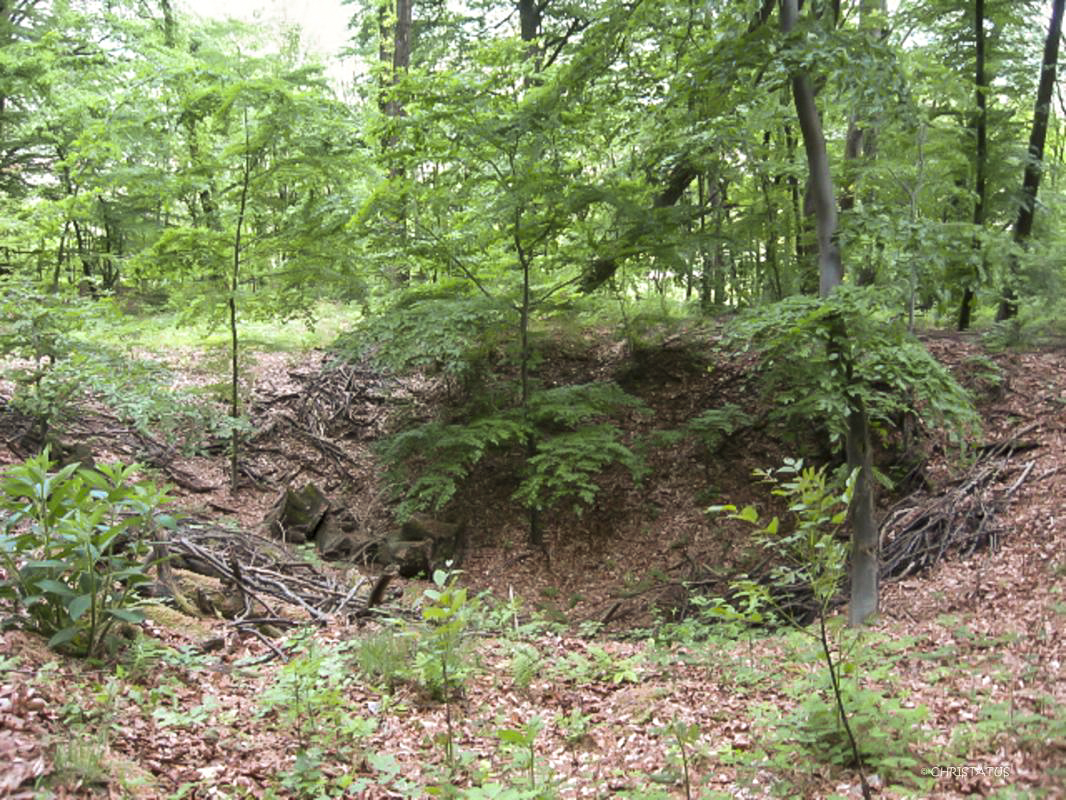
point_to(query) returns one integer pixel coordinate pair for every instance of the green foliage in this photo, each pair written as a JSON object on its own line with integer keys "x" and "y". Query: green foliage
{"x": 80, "y": 759}
{"x": 842, "y": 722}
{"x": 382, "y": 658}
{"x": 440, "y": 660}
{"x": 60, "y": 367}
{"x": 446, "y": 453}
{"x": 685, "y": 737}
{"x": 37, "y": 327}
{"x": 521, "y": 742}
{"x": 308, "y": 697}
{"x": 141, "y": 392}
{"x": 442, "y": 327}
{"x": 72, "y": 548}
{"x": 886, "y": 729}
{"x": 877, "y": 362}
{"x": 526, "y": 663}
{"x": 809, "y": 545}
{"x": 310, "y": 778}
{"x": 570, "y": 451}
{"x": 565, "y": 466}
{"x": 715, "y": 425}
{"x": 191, "y": 718}
{"x": 598, "y": 667}
{"x": 575, "y": 726}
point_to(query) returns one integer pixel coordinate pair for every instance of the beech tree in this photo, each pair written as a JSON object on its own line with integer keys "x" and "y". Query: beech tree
{"x": 864, "y": 539}
{"x": 1034, "y": 163}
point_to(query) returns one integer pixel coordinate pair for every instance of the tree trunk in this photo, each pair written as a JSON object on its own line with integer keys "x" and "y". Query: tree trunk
{"x": 395, "y": 55}
{"x": 823, "y": 197}
{"x": 865, "y": 541}
{"x": 536, "y": 527}
{"x": 235, "y": 409}
{"x": 981, "y": 181}
{"x": 1034, "y": 163}
{"x": 861, "y": 143}
{"x": 169, "y": 23}
{"x": 864, "y": 538}
{"x": 529, "y": 19}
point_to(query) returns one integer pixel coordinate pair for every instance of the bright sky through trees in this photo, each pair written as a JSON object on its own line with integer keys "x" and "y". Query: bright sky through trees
{"x": 324, "y": 23}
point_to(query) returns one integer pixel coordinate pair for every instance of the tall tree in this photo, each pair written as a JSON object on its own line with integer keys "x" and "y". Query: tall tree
{"x": 980, "y": 129}
{"x": 1034, "y": 162}
{"x": 864, "y": 552}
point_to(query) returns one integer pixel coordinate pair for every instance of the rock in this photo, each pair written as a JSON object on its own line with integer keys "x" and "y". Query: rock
{"x": 296, "y": 515}
{"x": 338, "y": 539}
{"x": 412, "y": 559}
{"x": 424, "y": 544}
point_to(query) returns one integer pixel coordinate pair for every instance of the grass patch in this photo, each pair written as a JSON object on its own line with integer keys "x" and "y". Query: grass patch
{"x": 162, "y": 331}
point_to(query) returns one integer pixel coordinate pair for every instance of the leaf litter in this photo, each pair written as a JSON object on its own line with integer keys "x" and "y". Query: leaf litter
{"x": 983, "y": 632}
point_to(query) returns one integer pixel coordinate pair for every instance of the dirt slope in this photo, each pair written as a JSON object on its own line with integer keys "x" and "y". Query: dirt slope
{"x": 977, "y": 641}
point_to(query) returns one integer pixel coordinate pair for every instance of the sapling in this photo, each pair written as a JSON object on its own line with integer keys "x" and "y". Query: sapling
{"x": 684, "y": 736}
{"x": 815, "y": 556}
{"x": 446, "y": 611}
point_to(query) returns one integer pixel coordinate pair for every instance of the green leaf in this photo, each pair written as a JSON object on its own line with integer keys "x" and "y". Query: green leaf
{"x": 130, "y": 615}
{"x": 511, "y": 736}
{"x": 64, "y": 636}
{"x": 747, "y": 514}
{"x": 55, "y": 587}
{"x": 79, "y": 605}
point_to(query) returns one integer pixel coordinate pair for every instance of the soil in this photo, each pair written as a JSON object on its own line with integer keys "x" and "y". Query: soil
{"x": 978, "y": 633}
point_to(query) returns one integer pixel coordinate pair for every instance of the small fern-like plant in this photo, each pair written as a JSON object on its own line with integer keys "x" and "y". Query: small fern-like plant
{"x": 573, "y": 444}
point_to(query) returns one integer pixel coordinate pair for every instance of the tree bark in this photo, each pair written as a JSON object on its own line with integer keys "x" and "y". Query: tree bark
{"x": 864, "y": 535}
{"x": 980, "y": 128}
{"x": 822, "y": 194}
{"x": 1034, "y": 163}
{"x": 169, "y": 23}
{"x": 394, "y": 50}
{"x": 861, "y": 143}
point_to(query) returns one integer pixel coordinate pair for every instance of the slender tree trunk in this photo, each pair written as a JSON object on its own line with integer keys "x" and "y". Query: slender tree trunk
{"x": 529, "y": 19}
{"x": 536, "y": 531}
{"x": 1034, "y": 163}
{"x": 864, "y": 551}
{"x": 823, "y": 197}
{"x": 861, "y": 144}
{"x": 395, "y": 55}
{"x": 981, "y": 181}
{"x": 235, "y": 409}
{"x": 169, "y": 23}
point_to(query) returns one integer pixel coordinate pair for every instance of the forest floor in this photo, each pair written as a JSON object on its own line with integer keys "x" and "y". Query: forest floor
{"x": 964, "y": 691}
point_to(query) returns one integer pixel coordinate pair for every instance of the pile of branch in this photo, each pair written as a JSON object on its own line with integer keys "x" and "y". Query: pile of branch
{"x": 921, "y": 529}
{"x": 333, "y": 404}
{"x": 264, "y": 572}
{"x": 333, "y": 401}
{"x": 924, "y": 528}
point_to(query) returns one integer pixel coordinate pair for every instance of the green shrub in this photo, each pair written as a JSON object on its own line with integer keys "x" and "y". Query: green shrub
{"x": 571, "y": 448}
{"x": 841, "y": 717}
{"x": 445, "y": 327}
{"x": 382, "y": 658}
{"x": 877, "y": 361}
{"x": 72, "y": 548}
{"x": 55, "y": 371}
{"x": 36, "y": 327}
